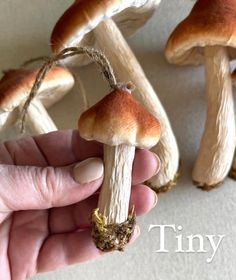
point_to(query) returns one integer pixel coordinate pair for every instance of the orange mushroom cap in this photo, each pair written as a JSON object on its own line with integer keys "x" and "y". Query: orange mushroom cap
{"x": 74, "y": 26}
{"x": 210, "y": 23}
{"x": 119, "y": 119}
{"x": 16, "y": 84}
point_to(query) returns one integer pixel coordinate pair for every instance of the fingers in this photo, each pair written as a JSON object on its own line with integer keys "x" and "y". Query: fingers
{"x": 78, "y": 216}
{"x": 146, "y": 165}
{"x": 72, "y": 148}
{"x": 143, "y": 198}
{"x": 64, "y": 249}
{"x": 60, "y": 250}
{"x": 28, "y": 231}
{"x": 25, "y": 187}
{"x": 72, "y": 217}
{"x": 28, "y": 187}
{"x": 46, "y": 150}
{"x": 63, "y": 148}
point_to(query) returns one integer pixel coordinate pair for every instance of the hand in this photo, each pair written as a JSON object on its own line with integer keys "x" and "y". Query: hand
{"x": 46, "y": 199}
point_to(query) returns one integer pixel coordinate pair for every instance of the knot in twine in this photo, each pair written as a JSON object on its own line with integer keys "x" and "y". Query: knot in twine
{"x": 96, "y": 56}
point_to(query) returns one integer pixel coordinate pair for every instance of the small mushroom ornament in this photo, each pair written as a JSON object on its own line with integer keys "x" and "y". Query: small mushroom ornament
{"x": 121, "y": 124}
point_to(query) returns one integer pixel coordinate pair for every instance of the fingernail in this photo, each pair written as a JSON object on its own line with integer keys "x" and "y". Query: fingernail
{"x": 155, "y": 199}
{"x": 158, "y": 163}
{"x": 88, "y": 170}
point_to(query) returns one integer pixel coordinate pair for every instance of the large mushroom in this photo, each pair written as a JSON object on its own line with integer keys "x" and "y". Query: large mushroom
{"x": 233, "y": 76}
{"x": 207, "y": 35}
{"x": 121, "y": 124}
{"x": 233, "y": 168}
{"x": 15, "y": 87}
{"x": 96, "y": 23}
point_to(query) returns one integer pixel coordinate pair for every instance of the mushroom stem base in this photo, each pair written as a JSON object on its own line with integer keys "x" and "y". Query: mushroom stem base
{"x": 110, "y": 237}
{"x": 207, "y": 187}
{"x": 165, "y": 188}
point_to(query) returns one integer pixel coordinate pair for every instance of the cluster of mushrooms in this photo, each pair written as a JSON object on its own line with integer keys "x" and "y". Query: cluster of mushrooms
{"x": 205, "y": 36}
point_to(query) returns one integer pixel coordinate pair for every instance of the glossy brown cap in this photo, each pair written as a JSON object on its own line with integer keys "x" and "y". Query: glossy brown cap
{"x": 16, "y": 84}
{"x": 119, "y": 119}
{"x": 210, "y": 23}
{"x": 74, "y": 26}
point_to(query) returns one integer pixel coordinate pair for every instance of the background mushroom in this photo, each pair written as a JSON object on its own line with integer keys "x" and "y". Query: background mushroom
{"x": 15, "y": 87}
{"x": 78, "y": 25}
{"x": 233, "y": 169}
{"x": 207, "y": 35}
{"x": 122, "y": 124}
{"x": 96, "y": 23}
{"x": 233, "y": 76}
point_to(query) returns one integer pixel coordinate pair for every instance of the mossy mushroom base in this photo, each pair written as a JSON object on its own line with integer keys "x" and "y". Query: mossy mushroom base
{"x": 109, "y": 237}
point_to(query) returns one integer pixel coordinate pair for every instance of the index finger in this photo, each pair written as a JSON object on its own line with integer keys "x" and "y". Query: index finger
{"x": 57, "y": 148}
{"x": 63, "y": 148}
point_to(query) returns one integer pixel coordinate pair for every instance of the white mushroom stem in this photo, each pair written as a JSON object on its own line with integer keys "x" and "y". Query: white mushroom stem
{"x": 218, "y": 141}
{"x": 3, "y": 119}
{"x": 125, "y": 64}
{"x": 115, "y": 192}
{"x": 7, "y": 119}
{"x": 38, "y": 119}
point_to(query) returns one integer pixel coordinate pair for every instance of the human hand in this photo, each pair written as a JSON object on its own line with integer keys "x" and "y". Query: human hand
{"x": 44, "y": 212}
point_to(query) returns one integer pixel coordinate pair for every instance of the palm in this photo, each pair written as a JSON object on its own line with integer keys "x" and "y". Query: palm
{"x": 45, "y": 239}
{"x": 35, "y": 237}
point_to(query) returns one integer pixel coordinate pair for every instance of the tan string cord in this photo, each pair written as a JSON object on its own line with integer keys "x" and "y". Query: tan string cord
{"x": 96, "y": 56}
{"x": 76, "y": 78}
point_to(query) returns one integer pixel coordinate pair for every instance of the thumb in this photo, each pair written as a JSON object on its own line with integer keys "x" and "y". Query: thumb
{"x": 28, "y": 187}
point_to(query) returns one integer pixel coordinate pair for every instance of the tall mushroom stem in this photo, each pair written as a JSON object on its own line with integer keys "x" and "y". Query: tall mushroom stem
{"x": 115, "y": 192}
{"x": 125, "y": 64}
{"x": 38, "y": 119}
{"x": 112, "y": 224}
{"x": 218, "y": 142}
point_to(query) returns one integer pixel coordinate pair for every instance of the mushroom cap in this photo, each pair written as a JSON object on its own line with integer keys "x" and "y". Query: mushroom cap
{"x": 119, "y": 119}
{"x": 210, "y": 23}
{"x": 74, "y": 26}
{"x": 16, "y": 84}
